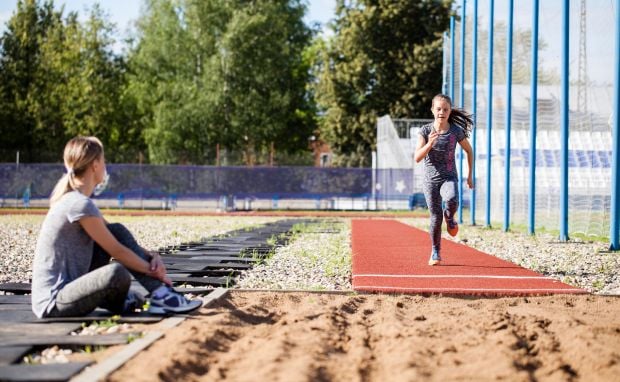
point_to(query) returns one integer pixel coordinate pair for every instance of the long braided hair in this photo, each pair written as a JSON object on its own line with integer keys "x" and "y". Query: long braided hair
{"x": 458, "y": 117}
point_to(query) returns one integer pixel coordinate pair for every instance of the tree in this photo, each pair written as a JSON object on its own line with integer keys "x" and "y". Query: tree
{"x": 221, "y": 72}
{"x": 60, "y": 79}
{"x": 93, "y": 86}
{"x": 385, "y": 58}
{"x": 165, "y": 78}
{"x": 265, "y": 77}
{"x": 20, "y": 58}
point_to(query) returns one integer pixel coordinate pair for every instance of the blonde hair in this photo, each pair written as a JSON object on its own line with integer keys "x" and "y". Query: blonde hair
{"x": 79, "y": 153}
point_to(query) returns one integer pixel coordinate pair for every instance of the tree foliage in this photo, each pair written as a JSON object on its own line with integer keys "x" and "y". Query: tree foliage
{"x": 385, "y": 58}
{"x": 246, "y": 76}
{"x": 221, "y": 72}
{"x": 60, "y": 79}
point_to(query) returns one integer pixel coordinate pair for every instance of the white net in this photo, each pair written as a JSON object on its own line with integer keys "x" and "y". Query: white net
{"x": 590, "y": 106}
{"x": 392, "y": 150}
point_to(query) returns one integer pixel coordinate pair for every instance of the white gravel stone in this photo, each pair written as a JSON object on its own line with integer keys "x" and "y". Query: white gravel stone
{"x": 18, "y": 236}
{"x": 312, "y": 260}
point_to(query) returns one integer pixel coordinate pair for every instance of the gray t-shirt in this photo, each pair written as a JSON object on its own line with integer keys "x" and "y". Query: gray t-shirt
{"x": 439, "y": 164}
{"x": 64, "y": 250}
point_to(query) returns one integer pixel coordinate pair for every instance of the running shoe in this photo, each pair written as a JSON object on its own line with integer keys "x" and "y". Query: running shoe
{"x": 172, "y": 302}
{"x": 435, "y": 258}
{"x": 451, "y": 224}
{"x": 134, "y": 301}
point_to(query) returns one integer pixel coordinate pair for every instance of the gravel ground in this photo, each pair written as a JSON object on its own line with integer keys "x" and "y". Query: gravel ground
{"x": 318, "y": 256}
{"x": 585, "y": 264}
{"x": 18, "y": 235}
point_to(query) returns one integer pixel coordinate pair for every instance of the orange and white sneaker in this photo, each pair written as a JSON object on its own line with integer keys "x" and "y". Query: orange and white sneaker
{"x": 451, "y": 225}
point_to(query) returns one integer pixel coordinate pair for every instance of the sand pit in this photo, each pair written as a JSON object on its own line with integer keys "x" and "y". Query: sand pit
{"x": 277, "y": 336}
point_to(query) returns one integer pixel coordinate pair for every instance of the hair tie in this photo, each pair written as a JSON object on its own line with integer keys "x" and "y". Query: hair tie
{"x": 70, "y": 171}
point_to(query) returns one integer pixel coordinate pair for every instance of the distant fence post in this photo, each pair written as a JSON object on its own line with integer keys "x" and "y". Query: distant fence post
{"x": 564, "y": 124}
{"x": 487, "y": 221}
{"x": 615, "y": 174}
{"x": 474, "y": 101}
{"x": 462, "y": 105}
{"x": 16, "y": 175}
{"x": 533, "y": 117}
{"x": 444, "y": 71}
{"x": 451, "y": 79}
{"x": 508, "y": 115}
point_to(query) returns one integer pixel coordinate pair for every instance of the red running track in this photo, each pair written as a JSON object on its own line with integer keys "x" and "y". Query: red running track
{"x": 389, "y": 256}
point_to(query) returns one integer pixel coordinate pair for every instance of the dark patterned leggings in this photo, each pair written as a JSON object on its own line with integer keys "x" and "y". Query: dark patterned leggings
{"x": 436, "y": 192}
{"x": 106, "y": 284}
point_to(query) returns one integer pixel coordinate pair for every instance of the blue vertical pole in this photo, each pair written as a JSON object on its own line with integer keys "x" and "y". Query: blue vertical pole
{"x": 452, "y": 57}
{"x": 444, "y": 84}
{"x": 564, "y": 123}
{"x": 489, "y": 112}
{"x": 474, "y": 97}
{"x": 614, "y": 230}
{"x": 508, "y": 114}
{"x": 533, "y": 117}
{"x": 462, "y": 105}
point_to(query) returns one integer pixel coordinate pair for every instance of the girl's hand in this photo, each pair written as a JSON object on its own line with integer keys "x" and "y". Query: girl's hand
{"x": 157, "y": 268}
{"x": 432, "y": 137}
{"x": 470, "y": 183}
{"x": 160, "y": 274}
{"x": 156, "y": 261}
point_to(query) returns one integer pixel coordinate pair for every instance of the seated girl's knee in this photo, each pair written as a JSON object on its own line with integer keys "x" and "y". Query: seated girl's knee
{"x": 122, "y": 234}
{"x": 120, "y": 276}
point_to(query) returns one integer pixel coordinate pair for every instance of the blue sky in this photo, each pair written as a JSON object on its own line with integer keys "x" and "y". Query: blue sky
{"x": 123, "y": 12}
{"x": 600, "y": 24}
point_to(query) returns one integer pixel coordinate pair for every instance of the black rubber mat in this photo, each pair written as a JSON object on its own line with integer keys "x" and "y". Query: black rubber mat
{"x": 26, "y": 316}
{"x": 51, "y": 372}
{"x": 35, "y": 339}
{"x": 15, "y": 299}
{"x": 17, "y": 288}
{"x": 12, "y": 354}
{"x": 215, "y": 281}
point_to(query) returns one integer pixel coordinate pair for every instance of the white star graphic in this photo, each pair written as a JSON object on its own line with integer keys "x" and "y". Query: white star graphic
{"x": 400, "y": 186}
{"x": 378, "y": 187}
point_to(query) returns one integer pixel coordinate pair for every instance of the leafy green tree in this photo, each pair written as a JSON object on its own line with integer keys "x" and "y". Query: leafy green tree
{"x": 20, "y": 57}
{"x": 385, "y": 58}
{"x": 93, "y": 102}
{"x": 266, "y": 77}
{"x": 166, "y": 81}
{"x": 221, "y": 72}
{"x": 60, "y": 78}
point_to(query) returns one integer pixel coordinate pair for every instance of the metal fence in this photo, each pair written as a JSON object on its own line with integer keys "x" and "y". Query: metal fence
{"x": 159, "y": 186}
{"x": 550, "y": 161}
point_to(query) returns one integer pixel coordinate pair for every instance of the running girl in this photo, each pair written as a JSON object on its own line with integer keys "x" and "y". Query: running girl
{"x": 436, "y": 145}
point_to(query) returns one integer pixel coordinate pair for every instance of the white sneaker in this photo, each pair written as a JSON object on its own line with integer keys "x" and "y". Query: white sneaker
{"x": 172, "y": 302}
{"x": 134, "y": 301}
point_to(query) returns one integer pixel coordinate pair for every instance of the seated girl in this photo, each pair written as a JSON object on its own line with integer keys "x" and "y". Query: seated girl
{"x": 72, "y": 271}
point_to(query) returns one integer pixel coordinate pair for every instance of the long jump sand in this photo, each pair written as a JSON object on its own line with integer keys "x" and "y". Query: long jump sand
{"x": 277, "y": 336}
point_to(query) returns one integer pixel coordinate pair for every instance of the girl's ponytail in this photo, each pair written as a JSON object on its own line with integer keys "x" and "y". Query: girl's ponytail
{"x": 62, "y": 187}
{"x": 79, "y": 153}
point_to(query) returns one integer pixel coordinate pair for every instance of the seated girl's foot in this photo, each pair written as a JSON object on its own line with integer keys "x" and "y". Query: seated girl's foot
{"x": 165, "y": 300}
{"x": 133, "y": 302}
